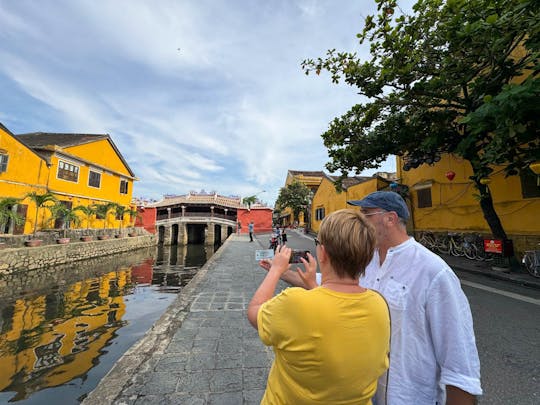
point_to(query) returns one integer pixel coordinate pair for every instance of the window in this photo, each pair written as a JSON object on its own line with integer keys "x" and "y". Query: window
{"x": 3, "y": 162}
{"x": 123, "y": 186}
{"x": 319, "y": 214}
{"x": 530, "y": 184}
{"x": 94, "y": 179}
{"x": 424, "y": 197}
{"x": 67, "y": 171}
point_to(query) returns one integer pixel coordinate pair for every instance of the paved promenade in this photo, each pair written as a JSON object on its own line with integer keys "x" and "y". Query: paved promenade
{"x": 202, "y": 350}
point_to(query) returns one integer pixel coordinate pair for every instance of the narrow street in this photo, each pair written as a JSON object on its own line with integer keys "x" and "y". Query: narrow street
{"x": 507, "y": 326}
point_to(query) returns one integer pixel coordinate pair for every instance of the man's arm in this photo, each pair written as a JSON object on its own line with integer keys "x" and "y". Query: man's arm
{"x": 305, "y": 280}
{"x": 289, "y": 275}
{"x": 452, "y": 334}
{"x": 456, "y": 396}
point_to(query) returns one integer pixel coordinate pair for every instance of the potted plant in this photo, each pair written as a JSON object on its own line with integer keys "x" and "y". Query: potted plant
{"x": 102, "y": 212}
{"x": 120, "y": 212}
{"x": 133, "y": 215}
{"x": 66, "y": 217}
{"x": 88, "y": 211}
{"x": 7, "y": 213}
{"x": 40, "y": 201}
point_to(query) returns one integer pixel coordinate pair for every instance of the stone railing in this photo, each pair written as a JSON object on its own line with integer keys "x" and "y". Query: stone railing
{"x": 27, "y": 258}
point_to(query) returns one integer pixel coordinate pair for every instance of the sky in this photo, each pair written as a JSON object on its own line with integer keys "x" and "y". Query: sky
{"x": 196, "y": 94}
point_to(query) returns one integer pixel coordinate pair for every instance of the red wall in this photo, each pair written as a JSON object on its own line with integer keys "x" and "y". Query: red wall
{"x": 146, "y": 218}
{"x": 261, "y": 217}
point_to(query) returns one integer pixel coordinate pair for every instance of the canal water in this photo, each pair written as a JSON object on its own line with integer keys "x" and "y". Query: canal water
{"x": 62, "y": 329}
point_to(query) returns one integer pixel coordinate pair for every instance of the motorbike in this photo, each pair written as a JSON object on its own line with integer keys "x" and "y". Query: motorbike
{"x": 274, "y": 242}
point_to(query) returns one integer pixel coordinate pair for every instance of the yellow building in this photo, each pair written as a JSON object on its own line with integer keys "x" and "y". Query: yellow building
{"x": 311, "y": 179}
{"x": 444, "y": 199}
{"x": 78, "y": 169}
{"x": 327, "y": 199}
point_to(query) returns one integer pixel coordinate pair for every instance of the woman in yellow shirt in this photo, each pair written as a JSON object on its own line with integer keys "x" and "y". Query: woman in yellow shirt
{"x": 331, "y": 343}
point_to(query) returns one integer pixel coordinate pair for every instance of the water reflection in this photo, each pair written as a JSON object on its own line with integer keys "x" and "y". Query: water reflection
{"x": 65, "y": 327}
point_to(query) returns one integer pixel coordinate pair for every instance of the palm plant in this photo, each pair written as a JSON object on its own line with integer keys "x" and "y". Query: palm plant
{"x": 120, "y": 211}
{"x": 40, "y": 200}
{"x": 249, "y": 201}
{"x": 88, "y": 211}
{"x": 102, "y": 210}
{"x": 65, "y": 214}
{"x": 7, "y": 213}
{"x": 133, "y": 215}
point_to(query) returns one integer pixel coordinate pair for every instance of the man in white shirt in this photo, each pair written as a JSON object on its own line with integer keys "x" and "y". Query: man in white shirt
{"x": 433, "y": 355}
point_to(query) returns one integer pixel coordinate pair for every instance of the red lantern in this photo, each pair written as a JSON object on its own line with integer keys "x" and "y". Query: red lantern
{"x": 450, "y": 175}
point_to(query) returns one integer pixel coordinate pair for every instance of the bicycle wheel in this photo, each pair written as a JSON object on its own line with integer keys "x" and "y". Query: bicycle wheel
{"x": 470, "y": 251}
{"x": 443, "y": 244}
{"x": 456, "y": 247}
{"x": 532, "y": 266}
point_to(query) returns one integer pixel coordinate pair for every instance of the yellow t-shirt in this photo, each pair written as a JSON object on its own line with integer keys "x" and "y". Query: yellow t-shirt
{"x": 330, "y": 347}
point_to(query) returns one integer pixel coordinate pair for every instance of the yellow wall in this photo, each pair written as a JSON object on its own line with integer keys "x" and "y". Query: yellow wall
{"x": 455, "y": 207}
{"x": 80, "y": 193}
{"x": 26, "y": 172}
{"x": 102, "y": 153}
{"x": 328, "y": 198}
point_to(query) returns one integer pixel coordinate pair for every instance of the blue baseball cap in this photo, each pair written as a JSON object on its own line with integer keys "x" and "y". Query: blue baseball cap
{"x": 386, "y": 200}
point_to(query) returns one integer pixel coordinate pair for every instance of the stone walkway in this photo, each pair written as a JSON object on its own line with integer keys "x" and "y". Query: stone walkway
{"x": 202, "y": 350}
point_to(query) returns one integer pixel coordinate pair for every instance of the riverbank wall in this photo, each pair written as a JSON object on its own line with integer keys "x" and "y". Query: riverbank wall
{"x": 14, "y": 260}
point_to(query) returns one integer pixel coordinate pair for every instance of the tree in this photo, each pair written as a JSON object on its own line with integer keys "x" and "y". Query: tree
{"x": 295, "y": 196}
{"x": 40, "y": 201}
{"x": 8, "y": 214}
{"x": 455, "y": 76}
{"x": 249, "y": 201}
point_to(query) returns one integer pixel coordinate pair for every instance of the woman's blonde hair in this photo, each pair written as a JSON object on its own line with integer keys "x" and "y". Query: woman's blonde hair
{"x": 349, "y": 241}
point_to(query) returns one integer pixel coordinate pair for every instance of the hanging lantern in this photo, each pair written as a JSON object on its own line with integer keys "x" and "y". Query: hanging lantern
{"x": 485, "y": 180}
{"x": 450, "y": 175}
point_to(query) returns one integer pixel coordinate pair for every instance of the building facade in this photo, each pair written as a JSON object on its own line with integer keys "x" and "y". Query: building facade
{"x": 327, "y": 199}
{"x": 444, "y": 199}
{"x": 77, "y": 169}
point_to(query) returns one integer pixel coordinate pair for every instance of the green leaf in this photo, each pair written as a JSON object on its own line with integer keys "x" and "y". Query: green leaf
{"x": 492, "y": 19}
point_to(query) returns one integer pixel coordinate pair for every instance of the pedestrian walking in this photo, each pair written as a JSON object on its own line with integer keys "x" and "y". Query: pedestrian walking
{"x": 250, "y": 230}
{"x": 330, "y": 343}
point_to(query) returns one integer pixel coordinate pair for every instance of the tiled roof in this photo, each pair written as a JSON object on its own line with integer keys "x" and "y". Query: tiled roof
{"x": 37, "y": 140}
{"x": 353, "y": 181}
{"x": 233, "y": 202}
{"x": 306, "y": 173}
{"x": 350, "y": 181}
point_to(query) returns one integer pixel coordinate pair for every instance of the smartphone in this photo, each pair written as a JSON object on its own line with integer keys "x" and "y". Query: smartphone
{"x": 297, "y": 254}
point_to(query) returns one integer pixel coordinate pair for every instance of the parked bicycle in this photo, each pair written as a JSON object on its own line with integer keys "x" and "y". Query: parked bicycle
{"x": 469, "y": 245}
{"x": 531, "y": 261}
